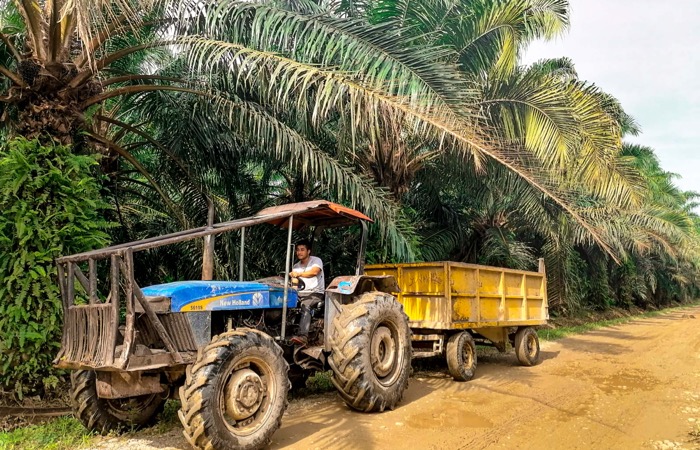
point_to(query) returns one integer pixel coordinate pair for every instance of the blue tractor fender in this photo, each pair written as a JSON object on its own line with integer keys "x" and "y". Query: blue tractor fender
{"x": 196, "y": 296}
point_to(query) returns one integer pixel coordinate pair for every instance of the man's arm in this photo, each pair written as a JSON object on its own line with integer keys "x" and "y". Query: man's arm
{"x": 309, "y": 272}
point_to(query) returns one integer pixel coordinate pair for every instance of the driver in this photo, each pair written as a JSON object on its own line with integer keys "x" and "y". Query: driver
{"x": 310, "y": 270}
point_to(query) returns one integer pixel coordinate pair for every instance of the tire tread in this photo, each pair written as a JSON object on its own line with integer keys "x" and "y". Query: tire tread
{"x": 195, "y": 412}
{"x": 94, "y": 415}
{"x": 346, "y": 359}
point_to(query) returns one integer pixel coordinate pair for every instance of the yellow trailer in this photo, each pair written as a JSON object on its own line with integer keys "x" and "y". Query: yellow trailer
{"x": 451, "y": 306}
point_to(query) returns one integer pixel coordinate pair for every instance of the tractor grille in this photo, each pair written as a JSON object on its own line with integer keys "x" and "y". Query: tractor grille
{"x": 175, "y": 324}
{"x": 88, "y": 335}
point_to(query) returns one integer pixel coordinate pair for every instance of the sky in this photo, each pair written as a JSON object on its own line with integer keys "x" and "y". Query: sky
{"x": 646, "y": 53}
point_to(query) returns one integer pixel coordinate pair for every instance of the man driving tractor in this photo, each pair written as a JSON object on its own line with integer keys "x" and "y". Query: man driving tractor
{"x": 309, "y": 269}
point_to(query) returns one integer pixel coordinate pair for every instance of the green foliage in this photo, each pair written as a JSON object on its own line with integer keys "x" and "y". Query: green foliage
{"x": 590, "y": 324}
{"x": 168, "y": 419}
{"x": 419, "y": 114}
{"x": 320, "y": 382}
{"x": 63, "y": 433}
{"x": 49, "y": 206}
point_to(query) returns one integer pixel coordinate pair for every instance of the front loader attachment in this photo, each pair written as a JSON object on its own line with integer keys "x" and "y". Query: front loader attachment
{"x": 121, "y": 331}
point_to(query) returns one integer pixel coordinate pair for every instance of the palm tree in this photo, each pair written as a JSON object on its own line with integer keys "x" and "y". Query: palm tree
{"x": 280, "y": 77}
{"x": 662, "y": 236}
{"x": 76, "y": 72}
{"x": 555, "y": 121}
{"x": 300, "y": 57}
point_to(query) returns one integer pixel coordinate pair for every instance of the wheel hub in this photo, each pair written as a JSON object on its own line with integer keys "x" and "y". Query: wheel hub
{"x": 468, "y": 355}
{"x": 383, "y": 352}
{"x": 244, "y": 394}
{"x": 531, "y": 345}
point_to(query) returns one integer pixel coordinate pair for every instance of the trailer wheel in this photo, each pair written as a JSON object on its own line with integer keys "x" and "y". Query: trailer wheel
{"x": 104, "y": 415}
{"x": 235, "y": 394}
{"x": 527, "y": 346}
{"x": 461, "y": 356}
{"x": 371, "y": 352}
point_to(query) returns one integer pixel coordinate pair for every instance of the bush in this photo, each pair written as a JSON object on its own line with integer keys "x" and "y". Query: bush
{"x": 49, "y": 206}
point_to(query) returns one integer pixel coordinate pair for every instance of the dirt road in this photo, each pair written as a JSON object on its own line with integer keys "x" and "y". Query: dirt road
{"x": 634, "y": 386}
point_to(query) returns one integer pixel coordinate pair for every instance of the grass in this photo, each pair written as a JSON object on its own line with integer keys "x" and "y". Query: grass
{"x": 168, "y": 418}
{"x": 552, "y": 334}
{"x": 66, "y": 433}
{"x": 320, "y": 382}
{"x": 56, "y": 434}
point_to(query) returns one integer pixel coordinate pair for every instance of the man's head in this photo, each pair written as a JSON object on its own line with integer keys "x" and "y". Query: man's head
{"x": 303, "y": 249}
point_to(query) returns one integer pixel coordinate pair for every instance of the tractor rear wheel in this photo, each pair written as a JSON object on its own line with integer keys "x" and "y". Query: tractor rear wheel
{"x": 104, "y": 415}
{"x": 461, "y": 356}
{"x": 235, "y": 394}
{"x": 527, "y": 346}
{"x": 371, "y": 352}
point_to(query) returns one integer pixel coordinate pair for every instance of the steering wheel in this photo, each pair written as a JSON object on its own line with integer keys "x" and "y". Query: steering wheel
{"x": 299, "y": 286}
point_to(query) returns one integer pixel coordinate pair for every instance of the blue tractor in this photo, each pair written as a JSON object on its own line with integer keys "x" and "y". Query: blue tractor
{"x": 222, "y": 347}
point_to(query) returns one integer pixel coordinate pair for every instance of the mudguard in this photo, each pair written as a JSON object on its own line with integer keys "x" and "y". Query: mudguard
{"x": 356, "y": 284}
{"x": 342, "y": 290}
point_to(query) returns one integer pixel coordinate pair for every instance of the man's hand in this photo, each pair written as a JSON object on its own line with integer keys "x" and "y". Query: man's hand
{"x": 310, "y": 272}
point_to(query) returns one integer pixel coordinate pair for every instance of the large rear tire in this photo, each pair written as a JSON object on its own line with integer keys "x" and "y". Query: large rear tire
{"x": 461, "y": 356}
{"x": 371, "y": 352}
{"x": 235, "y": 394}
{"x": 527, "y": 346}
{"x": 104, "y": 415}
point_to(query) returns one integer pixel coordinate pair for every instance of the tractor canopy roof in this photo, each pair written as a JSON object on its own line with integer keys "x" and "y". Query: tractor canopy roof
{"x": 312, "y": 213}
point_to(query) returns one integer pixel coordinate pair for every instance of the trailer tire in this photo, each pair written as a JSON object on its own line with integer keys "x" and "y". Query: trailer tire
{"x": 105, "y": 415}
{"x": 235, "y": 393}
{"x": 461, "y": 356}
{"x": 371, "y": 352}
{"x": 527, "y": 346}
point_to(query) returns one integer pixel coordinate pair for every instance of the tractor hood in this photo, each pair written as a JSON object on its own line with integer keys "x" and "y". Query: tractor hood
{"x": 188, "y": 296}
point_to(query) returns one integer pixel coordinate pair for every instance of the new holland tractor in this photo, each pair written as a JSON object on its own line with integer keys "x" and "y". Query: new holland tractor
{"x": 222, "y": 347}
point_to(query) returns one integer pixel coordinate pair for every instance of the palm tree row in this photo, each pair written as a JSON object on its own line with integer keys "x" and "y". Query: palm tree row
{"x": 419, "y": 113}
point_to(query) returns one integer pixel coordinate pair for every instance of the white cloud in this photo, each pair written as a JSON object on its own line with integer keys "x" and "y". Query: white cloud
{"x": 647, "y": 54}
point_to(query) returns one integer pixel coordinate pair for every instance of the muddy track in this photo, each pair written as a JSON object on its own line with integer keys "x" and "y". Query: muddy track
{"x": 633, "y": 386}
{"x": 34, "y": 412}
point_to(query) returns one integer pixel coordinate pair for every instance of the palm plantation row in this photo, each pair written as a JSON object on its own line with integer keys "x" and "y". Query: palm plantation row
{"x": 419, "y": 113}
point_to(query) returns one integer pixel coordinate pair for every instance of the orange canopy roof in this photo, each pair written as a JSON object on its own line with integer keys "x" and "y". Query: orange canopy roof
{"x": 315, "y": 212}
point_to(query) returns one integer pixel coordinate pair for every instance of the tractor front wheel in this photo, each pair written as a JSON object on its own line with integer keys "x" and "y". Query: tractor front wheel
{"x": 104, "y": 415}
{"x": 371, "y": 352}
{"x": 235, "y": 393}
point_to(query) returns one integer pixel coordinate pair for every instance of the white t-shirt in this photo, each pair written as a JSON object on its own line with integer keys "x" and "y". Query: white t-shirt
{"x": 313, "y": 284}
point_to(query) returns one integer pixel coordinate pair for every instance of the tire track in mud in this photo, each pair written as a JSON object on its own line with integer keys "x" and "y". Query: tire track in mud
{"x": 558, "y": 404}
{"x": 630, "y": 379}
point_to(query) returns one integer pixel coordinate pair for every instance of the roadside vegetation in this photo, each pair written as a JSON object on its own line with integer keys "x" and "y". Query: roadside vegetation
{"x": 420, "y": 114}
{"x": 55, "y": 434}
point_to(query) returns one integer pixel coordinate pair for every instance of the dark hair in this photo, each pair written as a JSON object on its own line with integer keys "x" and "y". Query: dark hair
{"x": 305, "y": 242}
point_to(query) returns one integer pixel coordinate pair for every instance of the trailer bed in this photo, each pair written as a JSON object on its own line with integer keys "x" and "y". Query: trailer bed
{"x": 449, "y": 295}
